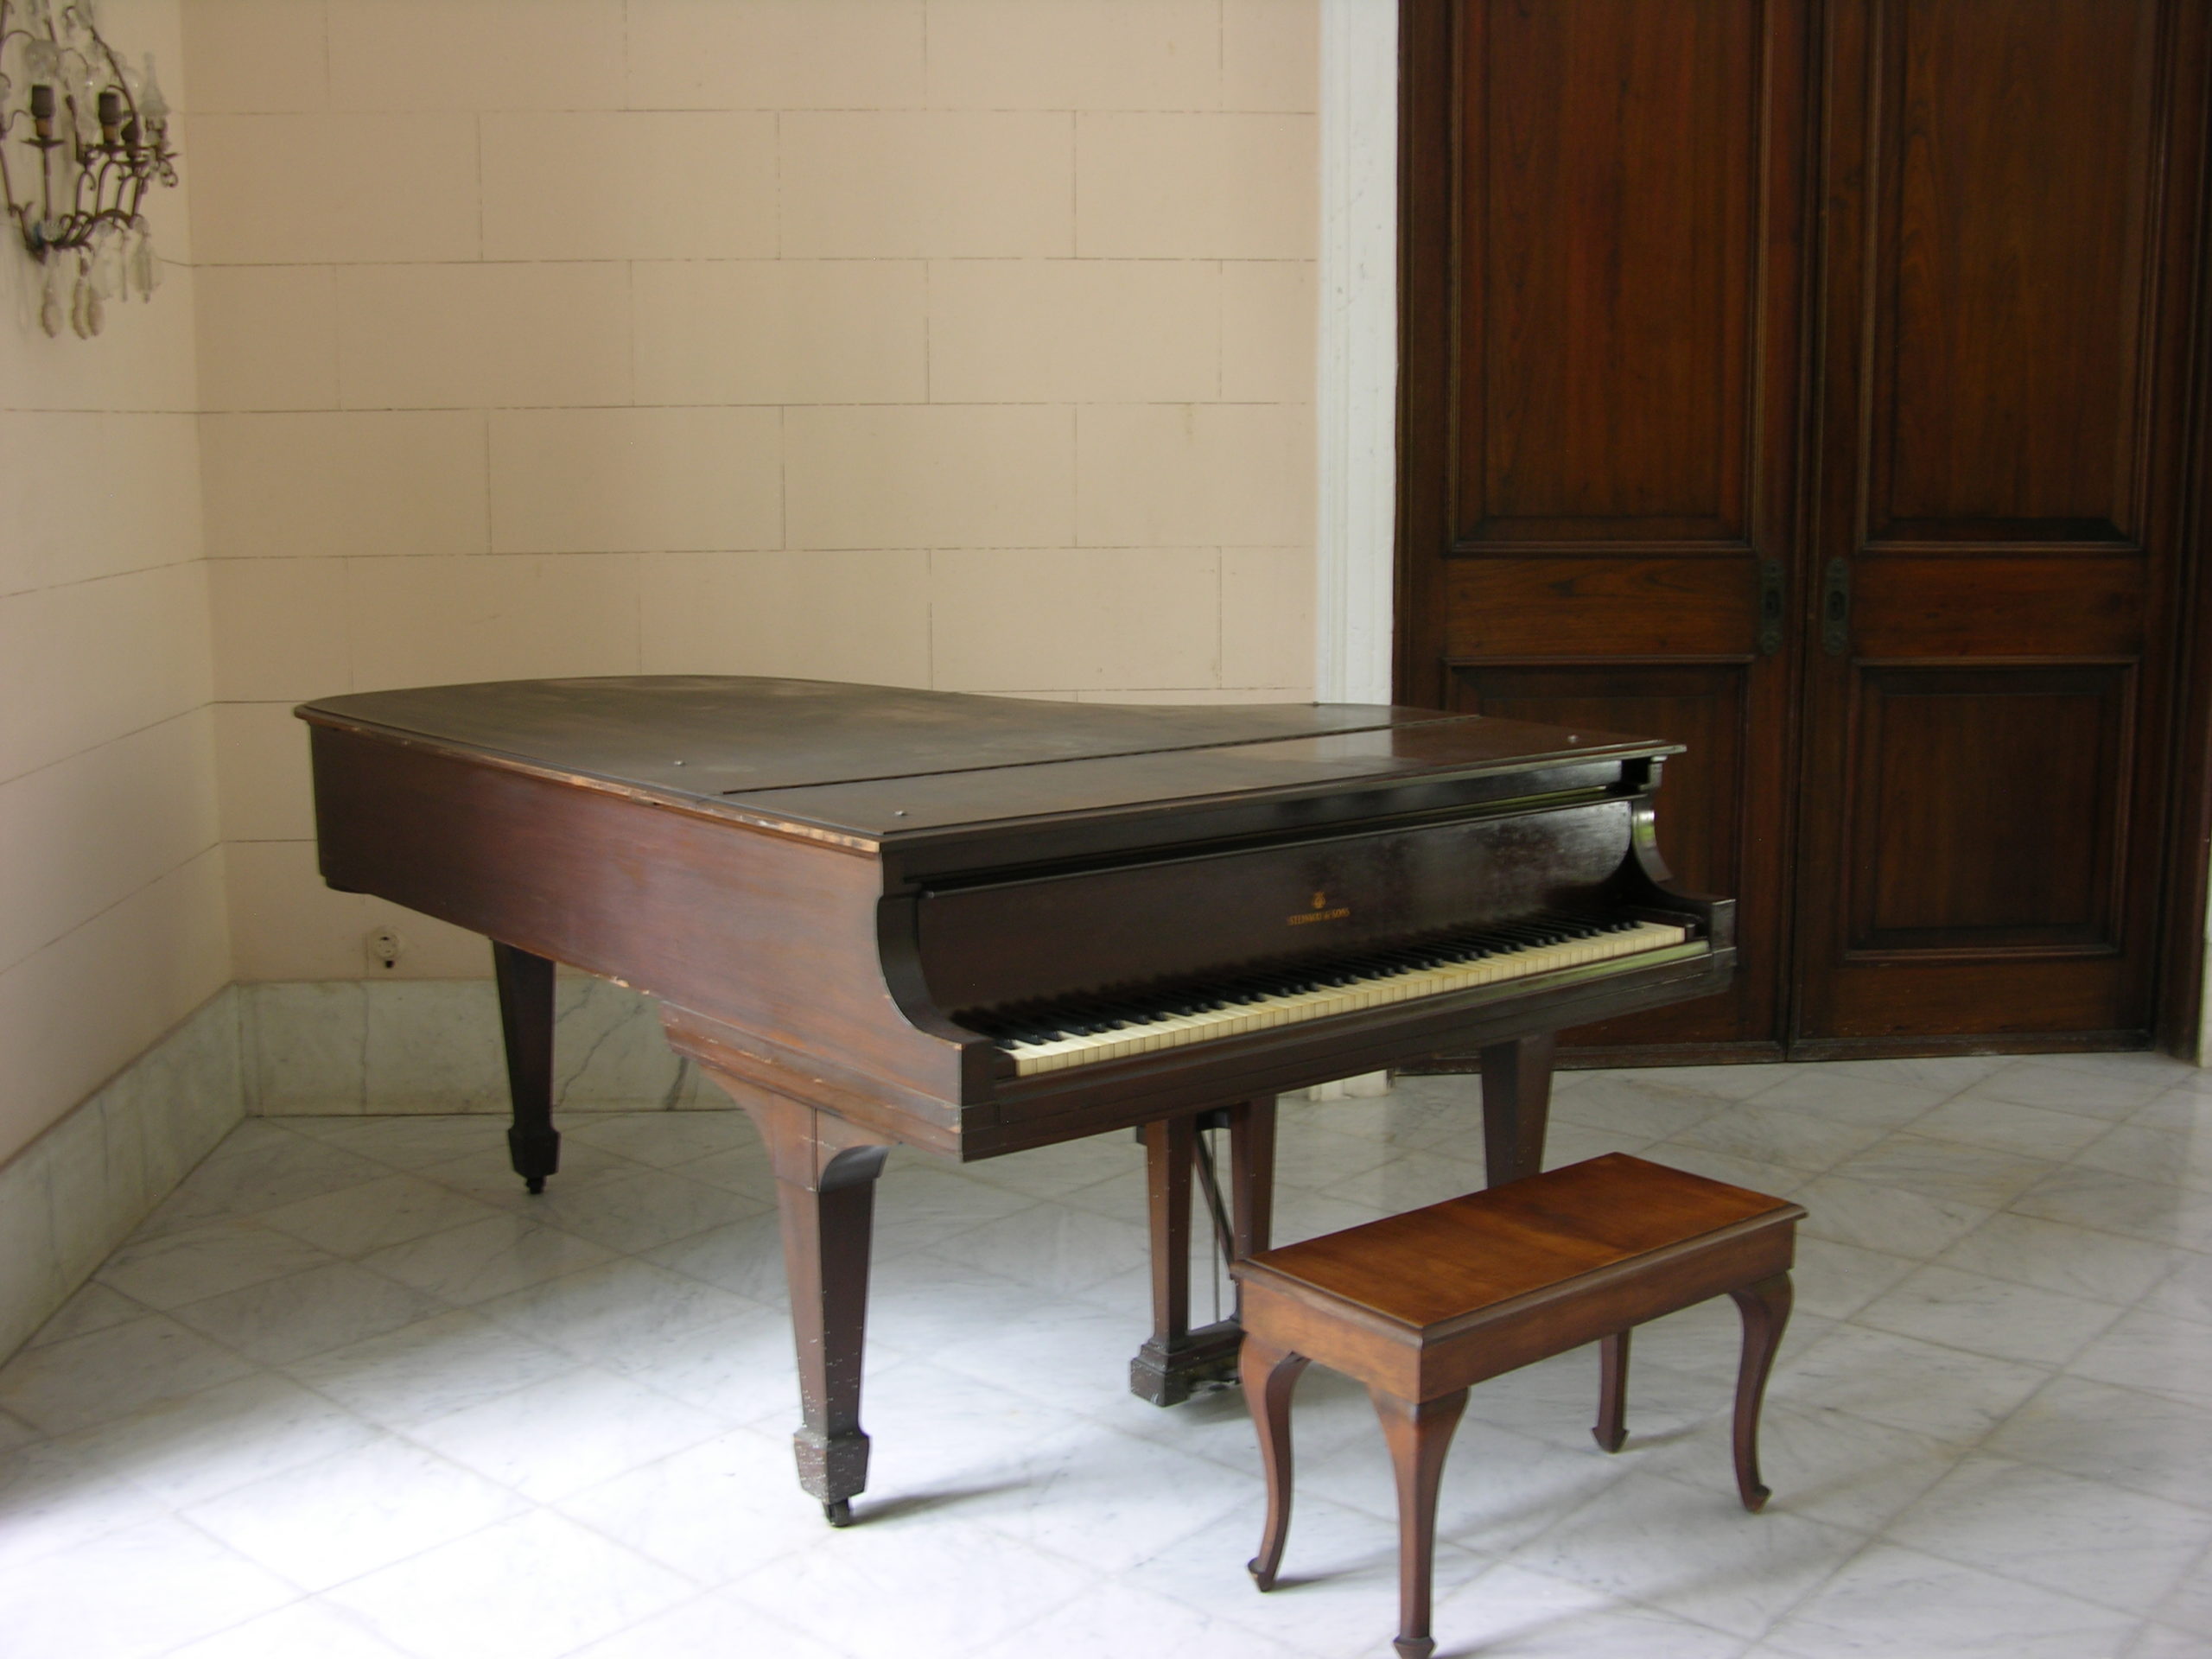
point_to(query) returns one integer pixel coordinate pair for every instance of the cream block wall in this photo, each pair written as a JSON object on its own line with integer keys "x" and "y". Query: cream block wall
{"x": 113, "y": 923}
{"x": 960, "y": 343}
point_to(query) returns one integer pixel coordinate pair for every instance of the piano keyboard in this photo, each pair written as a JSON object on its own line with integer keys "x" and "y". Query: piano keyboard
{"x": 1084, "y": 1033}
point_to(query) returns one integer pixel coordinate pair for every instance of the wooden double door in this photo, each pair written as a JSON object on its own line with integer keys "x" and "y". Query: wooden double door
{"x": 1811, "y": 383}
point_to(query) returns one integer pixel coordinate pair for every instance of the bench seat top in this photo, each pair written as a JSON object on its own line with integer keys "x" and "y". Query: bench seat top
{"x": 1453, "y": 1259}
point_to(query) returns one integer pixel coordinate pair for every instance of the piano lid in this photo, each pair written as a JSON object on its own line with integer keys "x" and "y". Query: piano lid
{"x": 880, "y": 761}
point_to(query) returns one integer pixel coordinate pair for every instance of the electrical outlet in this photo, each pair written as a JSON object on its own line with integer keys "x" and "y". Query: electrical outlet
{"x": 383, "y": 945}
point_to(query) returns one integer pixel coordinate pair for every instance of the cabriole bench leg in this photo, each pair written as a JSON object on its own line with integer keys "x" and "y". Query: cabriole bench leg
{"x": 1420, "y": 1433}
{"x": 1611, "y": 1428}
{"x": 1766, "y": 1310}
{"x": 1269, "y": 1373}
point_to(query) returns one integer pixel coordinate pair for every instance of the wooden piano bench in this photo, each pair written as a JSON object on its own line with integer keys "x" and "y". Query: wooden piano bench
{"x": 1420, "y": 1305}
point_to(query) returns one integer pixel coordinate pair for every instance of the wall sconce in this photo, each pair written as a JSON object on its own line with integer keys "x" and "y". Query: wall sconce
{"x": 95, "y": 136}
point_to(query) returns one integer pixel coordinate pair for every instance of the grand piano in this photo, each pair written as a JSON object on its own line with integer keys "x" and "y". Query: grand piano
{"x": 977, "y": 925}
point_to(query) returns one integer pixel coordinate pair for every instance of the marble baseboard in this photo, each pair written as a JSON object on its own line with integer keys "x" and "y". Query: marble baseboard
{"x": 77, "y": 1192}
{"x": 341, "y": 1047}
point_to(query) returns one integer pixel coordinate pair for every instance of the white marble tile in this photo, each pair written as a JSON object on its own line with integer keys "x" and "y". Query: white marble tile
{"x": 605, "y": 1312}
{"x": 552, "y": 1439}
{"x": 2149, "y": 1351}
{"x": 260, "y": 1168}
{"x": 1337, "y": 1590}
{"x": 918, "y": 1205}
{"x": 437, "y": 1365}
{"x": 2103, "y": 1091}
{"x": 1055, "y": 1172}
{"x": 2120, "y": 1436}
{"x": 1824, "y": 1465}
{"x": 1053, "y": 1248}
{"x": 432, "y": 1046}
{"x": 713, "y": 1511}
{"x": 132, "y": 1593}
{"x": 1408, "y": 1181}
{"x": 1795, "y": 1138}
{"x": 2155, "y": 1211}
{"x": 1637, "y": 1107}
{"x": 2006, "y": 1127}
{"x": 1107, "y": 1500}
{"x": 1500, "y": 1488}
{"x": 2052, "y": 1255}
{"x": 1514, "y": 1612}
{"x": 203, "y": 1445}
{"x": 193, "y": 1264}
{"x": 1941, "y": 1392}
{"x": 1948, "y": 1170}
{"x": 1115, "y": 1620}
{"x": 111, "y": 1373}
{"x": 1884, "y": 1218}
{"x": 529, "y": 1588}
{"x": 1988, "y": 1316}
{"x": 2186, "y": 1291}
{"x": 56, "y": 1498}
{"x": 636, "y": 1212}
{"x": 2153, "y": 1152}
{"x": 2123, "y": 1550}
{"x": 607, "y": 1046}
{"x": 1834, "y": 1281}
{"x": 94, "y": 1307}
{"x": 1756, "y": 1177}
{"x": 2164, "y": 1641}
{"x": 940, "y": 1436}
{"x": 663, "y": 1140}
{"x": 1725, "y": 1081}
{"x": 341, "y": 1516}
{"x": 389, "y": 1210}
{"x": 411, "y": 1143}
{"x": 1892, "y": 1601}
{"x": 745, "y": 1256}
{"x": 925, "y": 1582}
{"x": 306, "y": 1628}
{"x": 2189, "y": 1605}
{"x": 711, "y": 1627}
{"x": 303, "y": 1046}
{"x": 308, "y": 1312}
{"x": 1692, "y": 1552}
{"x": 1845, "y": 1094}
{"x": 487, "y": 1259}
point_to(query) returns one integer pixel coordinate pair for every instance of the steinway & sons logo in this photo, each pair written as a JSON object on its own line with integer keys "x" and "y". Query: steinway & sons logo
{"x": 1322, "y": 911}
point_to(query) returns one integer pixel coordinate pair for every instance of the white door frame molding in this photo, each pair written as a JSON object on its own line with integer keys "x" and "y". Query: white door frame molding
{"x": 1356, "y": 397}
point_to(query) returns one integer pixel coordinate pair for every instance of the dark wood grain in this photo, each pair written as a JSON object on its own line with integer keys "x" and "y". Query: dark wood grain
{"x": 1904, "y": 299}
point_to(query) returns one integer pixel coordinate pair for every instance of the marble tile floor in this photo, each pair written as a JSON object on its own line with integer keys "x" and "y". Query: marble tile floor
{"x": 351, "y": 1394}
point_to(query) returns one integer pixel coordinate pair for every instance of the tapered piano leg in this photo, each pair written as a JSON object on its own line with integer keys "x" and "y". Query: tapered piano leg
{"x": 1176, "y": 1358}
{"x": 1517, "y": 1107}
{"x": 825, "y": 1196}
{"x": 526, "y": 1022}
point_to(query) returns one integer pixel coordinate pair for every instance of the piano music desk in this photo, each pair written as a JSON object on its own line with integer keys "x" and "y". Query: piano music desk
{"x": 978, "y": 924}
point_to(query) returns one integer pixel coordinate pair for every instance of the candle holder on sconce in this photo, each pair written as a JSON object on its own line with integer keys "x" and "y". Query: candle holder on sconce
{"x": 95, "y": 135}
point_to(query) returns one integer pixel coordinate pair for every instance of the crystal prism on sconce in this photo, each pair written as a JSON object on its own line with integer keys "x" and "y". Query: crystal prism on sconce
{"x": 83, "y": 137}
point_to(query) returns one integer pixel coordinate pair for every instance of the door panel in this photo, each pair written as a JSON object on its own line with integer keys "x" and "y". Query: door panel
{"x": 1601, "y": 413}
{"x": 2001, "y": 343}
{"x": 1604, "y": 392}
{"x": 1953, "y": 844}
{"x": 2015, "y": 151}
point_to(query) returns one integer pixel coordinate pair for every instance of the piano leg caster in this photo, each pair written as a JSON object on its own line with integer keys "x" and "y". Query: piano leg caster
{"x": 1167, "y": 1372}
{"x": 839, "y": 1514}
{"x": 535, "y": 1154}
